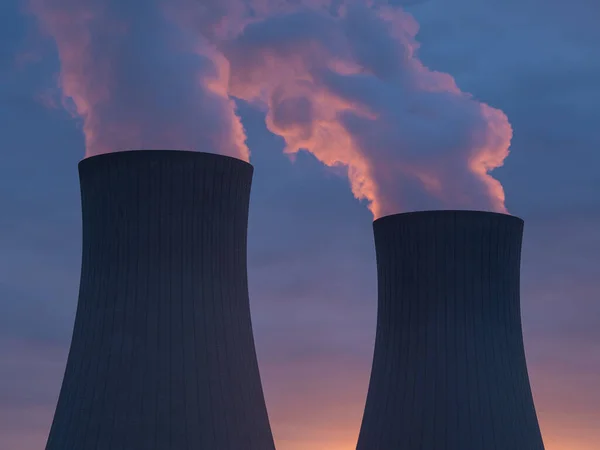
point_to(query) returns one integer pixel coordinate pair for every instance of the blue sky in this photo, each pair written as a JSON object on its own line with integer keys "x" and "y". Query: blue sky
{"x": 311, "y": 255}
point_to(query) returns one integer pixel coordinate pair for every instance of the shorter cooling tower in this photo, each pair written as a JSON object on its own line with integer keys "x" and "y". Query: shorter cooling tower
{"x": 449, "y": 370}
{"x": 162, "y": 355}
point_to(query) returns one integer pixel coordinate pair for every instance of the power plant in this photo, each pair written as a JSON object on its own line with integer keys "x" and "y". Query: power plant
{"x": 449, "y": 369}
{"x": 162, "y": 355}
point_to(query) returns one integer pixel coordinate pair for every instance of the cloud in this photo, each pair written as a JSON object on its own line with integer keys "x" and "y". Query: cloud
{"x": 339, "y": 79}
{"x": 538, "y": 61}
{"x": 349, "y": 88}
{"x": 137, "y": 81}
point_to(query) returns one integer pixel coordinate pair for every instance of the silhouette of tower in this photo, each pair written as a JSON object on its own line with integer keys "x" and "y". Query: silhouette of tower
{"x": 162, "y": 355}
{"x": 449, "y": 370}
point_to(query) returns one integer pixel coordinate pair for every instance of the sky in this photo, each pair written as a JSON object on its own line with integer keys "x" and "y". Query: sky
{"x": 312, "y": 274}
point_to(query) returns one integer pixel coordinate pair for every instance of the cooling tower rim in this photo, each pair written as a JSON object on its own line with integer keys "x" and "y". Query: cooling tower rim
{"x": 446, "y": 212}
{"x": 125, "y": 154}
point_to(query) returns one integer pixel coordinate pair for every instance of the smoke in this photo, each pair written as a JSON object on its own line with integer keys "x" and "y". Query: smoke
{"x": 339, "y": 79}
{"x": 138, "y": 80}
{"x": 349, "y": 88}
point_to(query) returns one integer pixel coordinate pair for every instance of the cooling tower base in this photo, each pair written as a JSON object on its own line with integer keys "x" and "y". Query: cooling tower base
{"x": 162, "y": 355}
{"x": 449, "y": 370}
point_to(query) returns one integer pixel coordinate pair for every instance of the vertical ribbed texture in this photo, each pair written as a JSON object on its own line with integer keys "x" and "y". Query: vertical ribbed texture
{"x": 162, "y": 356}
{"x": 449, "y": 369}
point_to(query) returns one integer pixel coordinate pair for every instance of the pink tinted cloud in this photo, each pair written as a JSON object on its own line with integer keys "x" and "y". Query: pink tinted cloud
{"x": 349, "y": 88}
{"x": 344, "y": 84}
{"x": 137, "y": 81}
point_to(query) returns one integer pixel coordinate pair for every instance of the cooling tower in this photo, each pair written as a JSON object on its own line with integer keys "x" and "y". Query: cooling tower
{"x": 449, "y": 369}
{"x": 162, "y": 355}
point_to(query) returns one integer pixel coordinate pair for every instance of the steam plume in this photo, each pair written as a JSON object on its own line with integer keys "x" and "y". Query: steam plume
{"x": 348, "y": 88}
{"x": 340, "y": 79}
{"x": 138, "y": 80}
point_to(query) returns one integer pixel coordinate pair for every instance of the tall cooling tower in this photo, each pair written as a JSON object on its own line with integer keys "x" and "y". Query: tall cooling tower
{"x": 449, "y": 369}
{"x": 162, "y": 355}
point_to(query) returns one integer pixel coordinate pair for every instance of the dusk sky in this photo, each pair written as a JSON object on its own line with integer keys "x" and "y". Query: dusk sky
{"x": 380, "y": 91}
